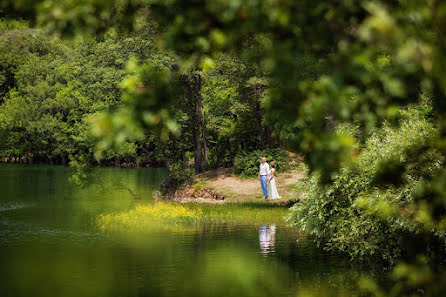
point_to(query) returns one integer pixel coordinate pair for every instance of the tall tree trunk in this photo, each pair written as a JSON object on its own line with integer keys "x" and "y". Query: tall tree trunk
{"x": 269, "y": 141}
{"x": 195, "y": 89}
{"x": 199, "y": 100}
{"x": 255, "y": 92}
{"x": 280, "y": 143}
{"x": 205, "y": 146}
{"x": 259, "y": 125}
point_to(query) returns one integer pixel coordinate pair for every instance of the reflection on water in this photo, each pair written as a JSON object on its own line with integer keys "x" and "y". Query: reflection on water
{"x": 5, "y": 206}
{"x": 49, "y": 245}
{"x": 267, "y": 238}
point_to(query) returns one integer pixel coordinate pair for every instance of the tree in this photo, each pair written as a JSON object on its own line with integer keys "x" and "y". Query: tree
{"x": 194, "y": 89}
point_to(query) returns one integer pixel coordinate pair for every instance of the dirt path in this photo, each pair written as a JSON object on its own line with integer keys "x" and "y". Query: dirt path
{"x": 237, "y": 189}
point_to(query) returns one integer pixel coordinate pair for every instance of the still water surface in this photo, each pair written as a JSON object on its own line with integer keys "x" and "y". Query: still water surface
{"x": 49, "y": 245}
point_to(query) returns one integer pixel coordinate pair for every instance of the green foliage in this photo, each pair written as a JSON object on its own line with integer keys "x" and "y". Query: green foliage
{"x": 247, "y": 164}
{"x": 82, "y": 171}
{"x": 179, "y": 174}
{"x": 11, "y": 24}
{"x": 374, "y": 56}
{"x": 376, "y": 194}
{"x": 231, "y": 111}
{"x": 142, "y": 86}
{"x": 369, "y": 209}
{"x": 199, "y": 185}
{"x": 52, "y": 89}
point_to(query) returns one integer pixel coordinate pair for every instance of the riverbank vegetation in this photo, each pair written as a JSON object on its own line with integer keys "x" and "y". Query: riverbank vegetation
{"x": 356, "y": 88}
{"x": 368, "y": 209}
{"x": 189, "y": 217}
{"x": 51, "y": 88}
{"x": 58, "y": 96}
{"x": 53, "y": 92}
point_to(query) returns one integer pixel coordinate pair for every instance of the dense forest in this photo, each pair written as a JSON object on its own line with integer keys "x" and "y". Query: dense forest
{"x": 357, "y": 89}
{"x": 53, "y": 89}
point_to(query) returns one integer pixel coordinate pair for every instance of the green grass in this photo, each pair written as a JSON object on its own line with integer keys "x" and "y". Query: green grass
{"x": 169, "y": 216}
{"x": 245, "y": 212}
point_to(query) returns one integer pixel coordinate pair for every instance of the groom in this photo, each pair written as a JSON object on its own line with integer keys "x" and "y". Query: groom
{"x": 263, "y": 172}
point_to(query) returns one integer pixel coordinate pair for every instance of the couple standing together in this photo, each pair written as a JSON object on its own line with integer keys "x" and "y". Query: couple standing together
{"x": 268, "y": 175}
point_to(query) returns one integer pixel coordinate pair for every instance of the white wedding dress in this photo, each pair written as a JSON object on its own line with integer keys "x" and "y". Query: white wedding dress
{"x": 272, "y": 189}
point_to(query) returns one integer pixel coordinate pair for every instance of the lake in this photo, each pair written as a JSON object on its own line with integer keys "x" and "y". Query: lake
{"x": 50, "y": 245}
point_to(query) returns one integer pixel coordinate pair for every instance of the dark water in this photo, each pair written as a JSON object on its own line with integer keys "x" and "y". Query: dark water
{"x": 49, "y": 245}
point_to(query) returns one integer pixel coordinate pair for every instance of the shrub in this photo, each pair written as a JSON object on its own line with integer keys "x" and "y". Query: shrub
{"x": 367, "y": 209}
{"x": 247, "y": 164}
{"x": 199, "y": 185}
{"x": 179, "y": 174}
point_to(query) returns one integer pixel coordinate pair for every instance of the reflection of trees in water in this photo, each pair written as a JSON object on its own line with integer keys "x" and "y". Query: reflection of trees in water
{"x": 267, "y": 238}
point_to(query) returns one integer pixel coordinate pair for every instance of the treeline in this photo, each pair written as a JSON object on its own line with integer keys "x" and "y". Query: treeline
{"x": 52, "y": 90}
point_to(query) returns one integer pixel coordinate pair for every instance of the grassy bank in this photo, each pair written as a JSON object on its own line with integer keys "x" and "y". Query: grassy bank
{"x": 188, "y": 217}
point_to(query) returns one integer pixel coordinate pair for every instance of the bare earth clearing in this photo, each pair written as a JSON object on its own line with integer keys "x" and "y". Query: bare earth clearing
{"x": 236, "y": 189}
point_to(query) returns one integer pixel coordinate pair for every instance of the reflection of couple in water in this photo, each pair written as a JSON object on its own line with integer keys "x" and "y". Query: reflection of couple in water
{"x": 266, "y": 238}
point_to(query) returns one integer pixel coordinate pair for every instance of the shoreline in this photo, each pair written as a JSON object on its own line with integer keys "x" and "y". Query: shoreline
{"x": 221, "y": 186}
{"x": 102, "y": 165}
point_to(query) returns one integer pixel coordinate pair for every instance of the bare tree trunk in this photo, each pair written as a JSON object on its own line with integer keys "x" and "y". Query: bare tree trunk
{"x": 198, "y": 119}
{"x": 280, "y": 141}
{"x": 205, "y": 146}
{"x": 259, "y": 125}
{"x": 255, "y": 92}
{"x": 269, "y": 141}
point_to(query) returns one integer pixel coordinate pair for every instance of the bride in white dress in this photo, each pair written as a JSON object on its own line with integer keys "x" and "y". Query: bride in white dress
{"x": 272, "y": 189}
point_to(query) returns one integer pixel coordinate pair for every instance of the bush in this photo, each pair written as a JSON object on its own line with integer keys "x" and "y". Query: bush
{"x": 179, "y": 174}
{"x": 247, "y": 164}
{"x": 11, "y": 24}
{"x": 367, "y": 210}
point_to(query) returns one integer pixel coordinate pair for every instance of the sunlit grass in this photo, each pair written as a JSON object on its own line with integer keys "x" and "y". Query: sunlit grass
{"x": 249, "y": 212}
{"x": 164, "y": 216}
